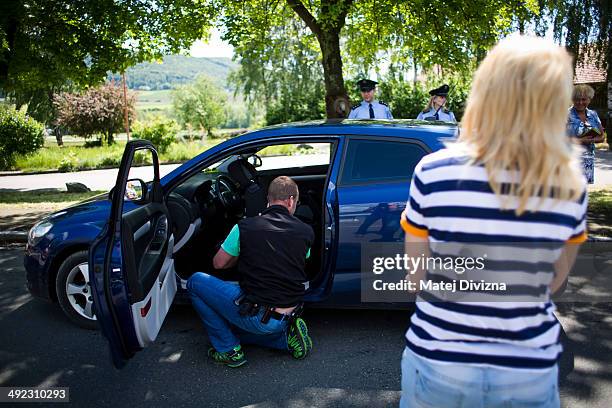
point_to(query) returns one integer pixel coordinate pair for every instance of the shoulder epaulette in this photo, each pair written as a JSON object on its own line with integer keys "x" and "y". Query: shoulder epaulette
{"x": 446, "y": 110}
{"x": 355, "y": 106}
{"x": 383, "y": 103}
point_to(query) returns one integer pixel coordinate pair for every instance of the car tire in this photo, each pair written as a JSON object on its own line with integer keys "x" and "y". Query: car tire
{"x": 74, "y": 293}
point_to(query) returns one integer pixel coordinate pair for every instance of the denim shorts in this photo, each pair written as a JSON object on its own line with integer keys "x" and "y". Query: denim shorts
{"x": 428, "y": 383}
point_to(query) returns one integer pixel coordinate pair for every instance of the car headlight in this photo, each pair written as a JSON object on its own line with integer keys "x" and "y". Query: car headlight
{"x": 38, "y": 231}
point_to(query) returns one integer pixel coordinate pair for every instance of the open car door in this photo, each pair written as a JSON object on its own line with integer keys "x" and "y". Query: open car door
{"x": 132, "y": 270}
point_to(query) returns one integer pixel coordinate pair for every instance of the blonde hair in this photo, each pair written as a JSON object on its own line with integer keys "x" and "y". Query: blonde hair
{"x": 429, "y": 104}
{"x": 583, "y": 91}
{"x": 515, "y": 120}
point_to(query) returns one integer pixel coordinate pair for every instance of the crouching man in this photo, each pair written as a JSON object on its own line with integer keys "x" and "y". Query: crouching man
{"x": 271, "y": 251}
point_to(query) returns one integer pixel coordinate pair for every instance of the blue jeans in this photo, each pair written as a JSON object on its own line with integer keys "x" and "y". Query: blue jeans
{"x": 427, "y": 383}
{"x": 213, "y": 299}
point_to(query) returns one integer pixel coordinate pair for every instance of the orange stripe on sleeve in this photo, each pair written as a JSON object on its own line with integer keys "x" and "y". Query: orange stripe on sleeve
{"x": 411, "y": 229}
{"x": 578, "y": 239}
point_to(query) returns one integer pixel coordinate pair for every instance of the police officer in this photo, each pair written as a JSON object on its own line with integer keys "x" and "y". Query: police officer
{"x": 369, "y": 108}
{"x": 270, "y": 251}
{"x": 435, "y": 109}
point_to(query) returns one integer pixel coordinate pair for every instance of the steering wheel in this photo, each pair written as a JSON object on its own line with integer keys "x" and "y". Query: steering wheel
{"x": 227, "y": 192}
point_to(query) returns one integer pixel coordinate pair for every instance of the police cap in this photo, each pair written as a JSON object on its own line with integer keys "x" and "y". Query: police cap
{"x": 366, "y": 84}
{"x": 441, "y": 91}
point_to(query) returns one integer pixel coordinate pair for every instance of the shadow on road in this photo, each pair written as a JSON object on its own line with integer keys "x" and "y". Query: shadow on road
{"x": 21, "y": 221}
{"x": 586, "y": 366}
{"x": 603, "y": 160}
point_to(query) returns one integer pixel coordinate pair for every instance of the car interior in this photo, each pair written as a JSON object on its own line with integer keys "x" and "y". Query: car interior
{"x": 205, "y": 207}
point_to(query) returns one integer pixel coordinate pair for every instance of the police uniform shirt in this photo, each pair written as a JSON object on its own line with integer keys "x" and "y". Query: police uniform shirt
{"x": 443, "y": 114}
{"x": 362, "y": 111}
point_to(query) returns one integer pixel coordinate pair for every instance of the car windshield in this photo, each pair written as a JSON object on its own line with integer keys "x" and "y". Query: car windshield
{"x": 273, "y": 157}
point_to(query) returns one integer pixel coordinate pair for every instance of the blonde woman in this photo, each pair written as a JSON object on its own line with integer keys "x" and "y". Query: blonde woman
{"x": 512, "y": 183}
{"x": 584, "y": 125}
{"x": 435, "y": 109}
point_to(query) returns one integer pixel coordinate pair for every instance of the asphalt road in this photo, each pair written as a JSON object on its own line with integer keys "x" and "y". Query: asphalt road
{"x": 355, "y": 361}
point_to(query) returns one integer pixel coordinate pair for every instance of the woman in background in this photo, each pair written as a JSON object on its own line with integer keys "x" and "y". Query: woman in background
{"x": 435, "y": 109}
{"x": 511, "y": 182}
{"x": 584, "y": 125}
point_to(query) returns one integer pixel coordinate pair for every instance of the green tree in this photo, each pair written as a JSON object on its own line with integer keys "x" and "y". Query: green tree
{"x": 46, "y": 45}
{"x": 200, "y": 105}
{"x": 453, "y": 35}
{"x": 283, "y": 77}
{"x": 98, "y": 110}
{"x": 585, "y": 27}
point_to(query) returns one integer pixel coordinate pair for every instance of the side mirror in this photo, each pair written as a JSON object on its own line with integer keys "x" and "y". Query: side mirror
{"x": 135, "y": 190}
{"x": 255, "y": 160}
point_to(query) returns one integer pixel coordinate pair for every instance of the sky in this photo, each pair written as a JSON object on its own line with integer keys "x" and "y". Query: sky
{"x": 214, "y": 48}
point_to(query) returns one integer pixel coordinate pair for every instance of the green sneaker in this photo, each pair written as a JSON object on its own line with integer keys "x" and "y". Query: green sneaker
{"x": 234, "y": 358}
{"x": 298, "y": 340}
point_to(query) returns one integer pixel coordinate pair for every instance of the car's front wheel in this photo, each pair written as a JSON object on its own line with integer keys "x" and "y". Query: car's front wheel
{"x": 74, "y": 291}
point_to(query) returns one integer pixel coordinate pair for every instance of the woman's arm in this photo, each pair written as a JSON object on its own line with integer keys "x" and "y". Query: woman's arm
{"x": 416, "y": 247}
{"x": 564, "y": 265}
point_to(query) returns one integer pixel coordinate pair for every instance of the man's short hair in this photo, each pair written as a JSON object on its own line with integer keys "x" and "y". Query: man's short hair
{"x": 281, "y": 188}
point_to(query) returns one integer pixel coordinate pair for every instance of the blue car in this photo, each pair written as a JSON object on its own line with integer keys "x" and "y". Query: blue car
{"x": 127, "y": 254}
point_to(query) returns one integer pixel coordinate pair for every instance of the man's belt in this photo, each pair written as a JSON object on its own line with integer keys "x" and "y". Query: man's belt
{"x": 248, "y": 308}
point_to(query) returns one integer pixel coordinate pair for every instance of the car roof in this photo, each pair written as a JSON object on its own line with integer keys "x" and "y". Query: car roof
{"x": 376, "y": 127}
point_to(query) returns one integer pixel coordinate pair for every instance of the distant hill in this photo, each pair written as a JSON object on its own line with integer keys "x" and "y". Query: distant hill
{"x": 177, "y": 70}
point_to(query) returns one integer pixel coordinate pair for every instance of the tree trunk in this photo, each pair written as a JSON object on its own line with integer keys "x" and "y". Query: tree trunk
{"x": 59, "y": 136}
{"x": 328, "y": 35}
{"x": 609, "y": 116}
{"x": 336, "y": 98}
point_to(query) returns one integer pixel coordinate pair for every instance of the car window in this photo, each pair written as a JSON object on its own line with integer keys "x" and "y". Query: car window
{"x": 369, "y": 161}
{"x": 292, "y": 155}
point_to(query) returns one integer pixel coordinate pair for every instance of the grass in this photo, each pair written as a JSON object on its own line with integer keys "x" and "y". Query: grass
{"x": 600, "y": 201}
{"x": 38, "y": 196}
{"x": 283, "y": 150}
{"x": 153, "y": 103}
{"x": 151, "y": 97}
{"x": 74, "y": 156}
{"x": 600, "y": 212}
{"x": 51, "y": 157}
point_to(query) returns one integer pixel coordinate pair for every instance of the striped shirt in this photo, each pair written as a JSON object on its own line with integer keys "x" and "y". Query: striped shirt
{"x": 451, "y": 203}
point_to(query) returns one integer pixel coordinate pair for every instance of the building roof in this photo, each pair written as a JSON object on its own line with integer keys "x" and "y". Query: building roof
{"x": 588, "y": 72}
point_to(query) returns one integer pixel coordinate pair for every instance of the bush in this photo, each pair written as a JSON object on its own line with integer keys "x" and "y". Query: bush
{"x": 161, "y": 132}
{"x": 70, "y": 162}
{"x": 98, "y": 110}
{"x": 110, "y": 161}
{"x": 19, "y": 135}
{"x": 142, "y": 158}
